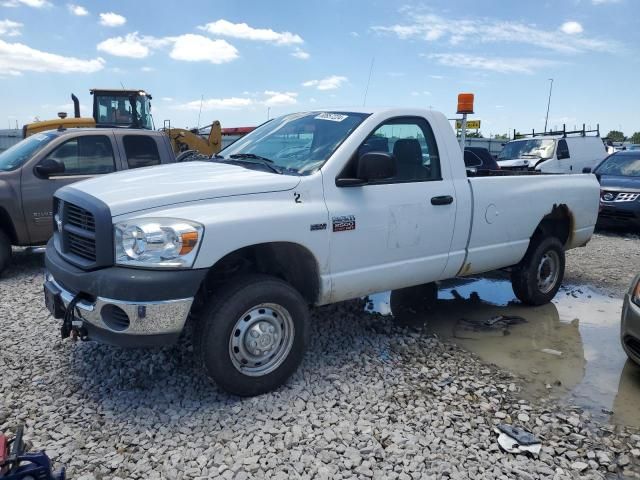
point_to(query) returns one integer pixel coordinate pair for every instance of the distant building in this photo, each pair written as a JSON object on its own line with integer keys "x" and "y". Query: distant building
{"x": 9, "y": 137}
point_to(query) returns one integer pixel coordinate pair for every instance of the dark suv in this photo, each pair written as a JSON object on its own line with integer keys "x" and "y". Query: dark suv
{"x": 619, "y": 177}
{"x": 32, "y": 170}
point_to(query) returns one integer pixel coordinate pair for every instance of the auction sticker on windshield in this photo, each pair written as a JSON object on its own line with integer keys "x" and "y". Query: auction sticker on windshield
{"x": 333, "y": 117}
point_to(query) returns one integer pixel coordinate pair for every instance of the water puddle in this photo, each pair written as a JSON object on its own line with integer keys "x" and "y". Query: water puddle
{"x": 567, "y": 349}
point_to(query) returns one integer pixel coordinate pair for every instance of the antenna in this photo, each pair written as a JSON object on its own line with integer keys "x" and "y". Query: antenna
{"x": 122, "y": 85}
{"x": 366, "y": 91}
{"x": 200, "y": 112}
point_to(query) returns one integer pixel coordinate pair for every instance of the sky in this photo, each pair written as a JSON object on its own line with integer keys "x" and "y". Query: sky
{"x": 243, "y": 61}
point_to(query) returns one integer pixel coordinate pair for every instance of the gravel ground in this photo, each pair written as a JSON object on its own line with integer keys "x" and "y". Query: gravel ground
{"x": 609, "y": 262}
{"x": 370, "y": 400}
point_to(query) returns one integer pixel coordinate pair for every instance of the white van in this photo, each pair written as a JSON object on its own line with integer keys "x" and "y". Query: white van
{"x": 552, "y": 153}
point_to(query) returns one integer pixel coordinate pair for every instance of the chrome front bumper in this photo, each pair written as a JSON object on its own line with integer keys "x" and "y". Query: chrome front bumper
{"x": 160, "y": 318}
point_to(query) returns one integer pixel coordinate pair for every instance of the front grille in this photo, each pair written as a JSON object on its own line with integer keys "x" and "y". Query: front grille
{"x": 78, "y": 231}
{"x": 79, "y": 217}
{"x": 83, "y": 247}
{"x": 611, "y": 196}
{"x": 82, "y": 230}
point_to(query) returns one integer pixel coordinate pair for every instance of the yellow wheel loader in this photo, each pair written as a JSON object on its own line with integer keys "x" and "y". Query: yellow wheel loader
{"x": 130, "y": 109}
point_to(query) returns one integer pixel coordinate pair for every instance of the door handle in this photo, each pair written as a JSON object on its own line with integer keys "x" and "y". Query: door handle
{"x": 442, "y": 200}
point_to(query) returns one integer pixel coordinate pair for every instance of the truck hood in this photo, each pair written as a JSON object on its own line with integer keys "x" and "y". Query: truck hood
{"x": 518, "y": 162}
{"x": 143, "y": 188}
{"x": 619, "y": 183}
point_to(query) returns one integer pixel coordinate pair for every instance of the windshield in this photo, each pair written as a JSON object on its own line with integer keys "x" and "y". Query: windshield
{"x": 299, "y": 143}
{"x": 15, "y": 156}
{"x": 536, "y": 147}
{"x": 620, "y": 165}
{"x": 118, "y": 110}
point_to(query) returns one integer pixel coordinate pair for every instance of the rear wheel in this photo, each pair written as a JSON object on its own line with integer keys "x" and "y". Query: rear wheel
{"x": 537, "y": 278}
{"x": 5, "y": 251}
{"x": 252, "y": 334}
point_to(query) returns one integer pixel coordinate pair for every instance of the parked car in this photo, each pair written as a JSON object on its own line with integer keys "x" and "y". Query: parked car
{"x": 619, "y": 177}
{"x": 479, "y": 158}
{"x": 553, "y": 153}
{"x": 33, "y": 169}
{"x": 633, "y": 146}
{"x": 630, "y": 324}
{"x": 311, "y": 208}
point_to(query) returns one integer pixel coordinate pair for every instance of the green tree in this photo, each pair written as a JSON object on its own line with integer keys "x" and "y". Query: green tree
{"x": 615, "y": 136}
{"x": 635, "y": 138}
{"x": 501, "y": 136}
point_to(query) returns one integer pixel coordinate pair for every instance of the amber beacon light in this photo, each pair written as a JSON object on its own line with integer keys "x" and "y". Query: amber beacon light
{"x": 465, "y": 103}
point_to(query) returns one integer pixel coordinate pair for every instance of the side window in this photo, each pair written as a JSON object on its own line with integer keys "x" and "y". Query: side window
{"x": 141, "y": 151}
{"x": 563, "y": 149}
{"x": 412, "y": 143}
{"x": 86, "y": 155}
{"x": 471, "y": 159}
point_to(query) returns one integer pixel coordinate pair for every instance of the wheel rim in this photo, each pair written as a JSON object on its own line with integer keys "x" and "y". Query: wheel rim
{"x": 261, "y": 339}
{"x": 548, "y": 271}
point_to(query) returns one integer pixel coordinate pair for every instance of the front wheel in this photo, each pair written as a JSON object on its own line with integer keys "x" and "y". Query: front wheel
{"x": 537, "y": 278}
{"x": 252, "y": 334}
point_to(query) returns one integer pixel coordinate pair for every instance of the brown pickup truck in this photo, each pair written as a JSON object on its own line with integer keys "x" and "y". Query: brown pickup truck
{"x": 32, "y": 170}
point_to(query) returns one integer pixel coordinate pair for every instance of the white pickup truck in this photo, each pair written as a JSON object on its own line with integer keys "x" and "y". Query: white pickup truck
{"x": 308, "y": 209}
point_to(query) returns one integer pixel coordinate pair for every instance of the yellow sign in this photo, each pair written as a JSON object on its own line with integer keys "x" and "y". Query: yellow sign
{"x": 471, "y": 124}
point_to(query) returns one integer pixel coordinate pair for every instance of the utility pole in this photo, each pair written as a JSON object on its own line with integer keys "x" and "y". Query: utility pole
{"x": 548, "y": 105}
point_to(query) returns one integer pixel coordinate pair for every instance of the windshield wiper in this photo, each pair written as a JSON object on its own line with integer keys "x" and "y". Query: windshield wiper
{"x": 243, "y": 157}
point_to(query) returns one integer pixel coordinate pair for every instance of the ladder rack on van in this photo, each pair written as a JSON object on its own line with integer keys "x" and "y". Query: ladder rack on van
{"x": 562, "y": 132}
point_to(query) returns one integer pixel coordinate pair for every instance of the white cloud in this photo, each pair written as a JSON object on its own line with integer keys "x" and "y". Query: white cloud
{"x": 147, "y": 69}
{"x": 26, "y": 3}
{"x": 604, "y": 2}
{"x": 301, "y": 54}
{"x": 242, "y": 30}
{"x": 188, "y": 47}
{"x": 196, "y": 48}
{"x": 111, "y": 19}
{"x": 16, "y": 58}
{"x": 275, "y": 99}
{"x": 329, "y": 83}
{"x": 231, "y": 103}
{"x": 354, "y": 34}
{"x": 167, "y": 99}
{"x": 571, "y": 28}
{"x": 494, "y": 64}
{"x": 431, "y": 28}
{"x": 77, "y": 10}
{"x": 10, "y": 28}
{"x": 131, "y": 46}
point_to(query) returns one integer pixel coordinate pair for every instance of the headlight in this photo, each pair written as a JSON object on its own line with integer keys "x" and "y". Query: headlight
{"x": 157, "y": 242}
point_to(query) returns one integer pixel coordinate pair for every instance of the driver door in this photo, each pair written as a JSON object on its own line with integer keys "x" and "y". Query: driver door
{"x": 83, "y": 157}
{"x": 396, "y": 232}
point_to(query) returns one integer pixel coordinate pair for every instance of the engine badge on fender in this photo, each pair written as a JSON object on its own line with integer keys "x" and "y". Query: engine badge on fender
{"x": 344, "y": 223}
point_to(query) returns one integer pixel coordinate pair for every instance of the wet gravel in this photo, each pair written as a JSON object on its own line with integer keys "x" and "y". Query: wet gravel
{"x": 371, "y": 400}
{"x": 609, "y": 262}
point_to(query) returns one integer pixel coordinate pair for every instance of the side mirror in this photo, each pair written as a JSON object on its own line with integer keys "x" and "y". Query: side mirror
{"x": 49, "y": 167}
{"x": 586, "y": 170}
{"x": 376, "y": 166}
{"x": 371, "y": 166}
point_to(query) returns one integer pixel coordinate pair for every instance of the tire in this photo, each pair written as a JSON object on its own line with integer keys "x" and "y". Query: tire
{"x": 5, "y": 251}
{"x": 248, "y": 311}
{"x": 538, "y": 276}
{"x": 407, "y": 303}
